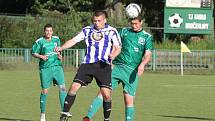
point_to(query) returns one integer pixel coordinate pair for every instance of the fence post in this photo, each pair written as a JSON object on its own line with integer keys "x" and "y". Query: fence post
{"x": 76, "y": 58}
{"x": 154, "y": 57}
{"x": 26, "y": 55}
{"x": 82, "y": 53}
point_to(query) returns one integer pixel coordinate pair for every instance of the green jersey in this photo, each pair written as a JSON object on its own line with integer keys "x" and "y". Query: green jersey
{"x": 44, "y": 47}
{"x": 134, "y": 45}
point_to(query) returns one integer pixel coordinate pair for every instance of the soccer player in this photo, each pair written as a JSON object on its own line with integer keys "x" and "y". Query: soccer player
{"x": 100, "y": 39}
{"x": 128, "y": 66}
{"x": 50, "y": 67}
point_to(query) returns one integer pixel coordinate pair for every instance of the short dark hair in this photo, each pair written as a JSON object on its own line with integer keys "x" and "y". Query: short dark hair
{"x": 100, "y": 12}
{"x": 47, "y": 26}
{"x": 140, "y": 18}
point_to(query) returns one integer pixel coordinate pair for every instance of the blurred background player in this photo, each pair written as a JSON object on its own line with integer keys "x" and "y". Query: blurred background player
{"x": 100, "y": 38}
{"x": 50, "y": 67}
{"x": 128, "y": 66}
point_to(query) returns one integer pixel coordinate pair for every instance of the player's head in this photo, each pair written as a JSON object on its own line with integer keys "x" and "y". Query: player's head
{"x": 136, "y": 23}
{"x": 48, "y": 30}
{"x": 99, "y": 19}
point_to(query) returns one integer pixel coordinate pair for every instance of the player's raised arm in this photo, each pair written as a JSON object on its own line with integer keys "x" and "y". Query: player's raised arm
{"x": 66, "y": 45}
{"x": 79, "y": 37}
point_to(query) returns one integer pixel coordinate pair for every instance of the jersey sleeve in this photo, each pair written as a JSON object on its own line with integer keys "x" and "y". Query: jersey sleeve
{"x": 57, "y": 40}
{"x": 116, "y": 38}
{"x": 149, "y": 43}
{"x": 122, "y": 32}
{"x": 80, "y": 36}
{"x": 36, "y": 48}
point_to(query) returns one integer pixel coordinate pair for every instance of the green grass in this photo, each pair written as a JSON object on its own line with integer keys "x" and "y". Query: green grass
{"x": 175, "y": 45}
{"x": 160, "y": 97}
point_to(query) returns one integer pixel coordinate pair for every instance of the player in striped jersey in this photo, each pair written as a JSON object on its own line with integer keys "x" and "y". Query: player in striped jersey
{"x": 128, "y": 66}
{"x": 100, "y": 39}
{"x": 50, "y": 67}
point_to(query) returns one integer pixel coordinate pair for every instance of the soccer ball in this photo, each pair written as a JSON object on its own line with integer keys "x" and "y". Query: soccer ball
{"x": 132, "y": 10}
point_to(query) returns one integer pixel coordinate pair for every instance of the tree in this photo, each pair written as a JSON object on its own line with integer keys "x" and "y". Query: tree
{"x": 153, "y": 12}
{"x": 15, "y": 6}
{"x": 63, "y": 6}
{"x": 115, "y": 10}
{"x": 78, "y": 13}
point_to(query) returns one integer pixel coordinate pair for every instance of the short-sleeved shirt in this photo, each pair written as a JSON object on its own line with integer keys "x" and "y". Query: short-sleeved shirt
{"x": 99, "y": 43}
{"x": 43, "y": 47}
{"x": 134, "y": 45}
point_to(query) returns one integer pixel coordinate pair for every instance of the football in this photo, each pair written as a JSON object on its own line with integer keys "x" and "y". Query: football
{"x": 132, "y": 10}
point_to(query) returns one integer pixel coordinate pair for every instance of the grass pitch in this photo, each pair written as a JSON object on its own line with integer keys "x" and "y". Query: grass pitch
{"x": 160, "y": 97}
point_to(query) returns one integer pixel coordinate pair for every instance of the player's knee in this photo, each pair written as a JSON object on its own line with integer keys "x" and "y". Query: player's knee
{"x": 74, "y": 88}
{"x": 62, "y": 88}
{"x": 106, "y": 96}
{"x": 44, "y": 91}
{"x": 129, "y": 100}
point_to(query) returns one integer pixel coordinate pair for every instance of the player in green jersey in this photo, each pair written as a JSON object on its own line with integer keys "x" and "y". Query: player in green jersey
{"x": 128, "y": 66}
{"x": 50, "y": 67}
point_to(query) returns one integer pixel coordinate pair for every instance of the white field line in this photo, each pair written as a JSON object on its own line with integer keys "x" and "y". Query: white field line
{"x": 190, "y": 85}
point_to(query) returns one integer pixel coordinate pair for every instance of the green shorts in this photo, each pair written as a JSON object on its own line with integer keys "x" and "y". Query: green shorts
{"x": 53, "y": 74}
{"x": 127, "y": 76}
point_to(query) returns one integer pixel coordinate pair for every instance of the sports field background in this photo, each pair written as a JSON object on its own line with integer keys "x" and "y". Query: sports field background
{"x": 160, "y": 97}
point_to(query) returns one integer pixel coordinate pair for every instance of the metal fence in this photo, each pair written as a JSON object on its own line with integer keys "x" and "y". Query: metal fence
{"x": 162, "y": 59}
{"x": 171, "y": 59}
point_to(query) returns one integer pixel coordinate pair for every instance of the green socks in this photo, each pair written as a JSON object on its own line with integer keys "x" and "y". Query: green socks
{"x": 94, "y": 107}
{"x": 43, "y": 98}
{"x": 129, "y": 113}
{"x": 62, "y": 96}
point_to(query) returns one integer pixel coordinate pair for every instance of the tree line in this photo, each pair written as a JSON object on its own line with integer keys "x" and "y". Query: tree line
{"x": 20, "y": 32}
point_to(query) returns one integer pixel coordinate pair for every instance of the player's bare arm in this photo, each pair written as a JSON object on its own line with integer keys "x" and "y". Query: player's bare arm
{"x": 43, "y": 57}
{"x": 115, "y": 52}
{"x": 145, "y": 60}
{"x": 66, "y": 45}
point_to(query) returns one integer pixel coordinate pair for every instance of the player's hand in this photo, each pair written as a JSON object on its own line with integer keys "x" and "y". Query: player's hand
{"x": 141, "y": 69}
{"x": 111, "y": 56}
{"x": 59, "y": 56}
{"x": 111, "y": 63}
{"x": 44, "y": 57}
{"x": 57, "y": 49}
